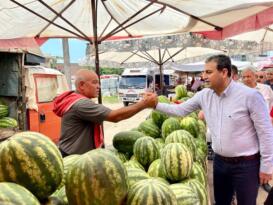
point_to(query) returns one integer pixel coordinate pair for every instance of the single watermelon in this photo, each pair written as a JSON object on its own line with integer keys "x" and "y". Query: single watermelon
{"x": 98, "y": 177}
{"x": 124, "y": 141}
{"x": 149, "y": 192}
{"x": 32, "y": 160}
{"x": 191, "y": 125}
{"x": 169, "y": 126}
{"x": 14, "y": 194}
{"x": 149, "y": 128}
{"x": 177, "y": 161}
{"x": 185, "y": 195}
{"x": 146, "y": 151}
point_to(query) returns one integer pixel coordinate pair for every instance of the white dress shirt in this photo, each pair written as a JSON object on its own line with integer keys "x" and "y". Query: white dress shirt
{"x": 267, "y": 93}
{"x": 238, "y": 121}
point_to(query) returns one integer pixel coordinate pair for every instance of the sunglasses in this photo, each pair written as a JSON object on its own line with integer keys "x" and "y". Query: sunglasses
{"x": 260, "y": 76}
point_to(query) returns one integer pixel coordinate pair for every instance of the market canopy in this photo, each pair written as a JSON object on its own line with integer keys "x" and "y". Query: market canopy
{"x": 260, "y": 36}
{"x": 131, "y": 18}
{"x": 156, "y": 54}
{"x": 199, "y": 66}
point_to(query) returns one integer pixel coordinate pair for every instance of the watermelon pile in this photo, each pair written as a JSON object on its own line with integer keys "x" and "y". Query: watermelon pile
{"x": 161, "y": 162}
{"x": 5, "y": 121}
{"x": 168, "y": 161}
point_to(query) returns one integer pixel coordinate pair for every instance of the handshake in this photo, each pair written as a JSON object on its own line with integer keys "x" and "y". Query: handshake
{"x": 149, "y": 100}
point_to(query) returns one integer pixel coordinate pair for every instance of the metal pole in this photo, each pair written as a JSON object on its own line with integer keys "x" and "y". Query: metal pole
{"x": 160, "y": 70}
{"x": 66, "y": 57}
{"x": 95, "y": 42}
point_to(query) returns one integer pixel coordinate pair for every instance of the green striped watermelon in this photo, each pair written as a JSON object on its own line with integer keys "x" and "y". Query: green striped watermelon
{"x": 183, "y": 137}
{"x": 123, "y": 157}
{"x": 146, "y": 151}
{"x": 177, "y": 161}
{"x": 202, "y": 129}
{"x": 169, "y": 126}
{"x": 190, "y": 94}
{"x": 202, "y": 146}
{"x": 160, "y": 142}
{"x": 191, "y": 125}
{"x": 8, "y": 122}
{"x": 32, "y": 160}
{"x": 157, "y": 116}
{"x": 4, "y": 111}
{"x": 151, "y": 192}
{"x": 149, "y": 128}
{"x": 156, "y": 169}
{"x": 199, "y": 173}
{"x": 14, "y": 194}
{"x": 185, "y": 194}
{"x": 198, "y": 188}
{"x": 133, "y": 163}
{"x": 135, "y": 175}
{"x": 98, "y": 177}
{"x": 124, "y": 141}
{"x": 68, "y": 162}
{"x": 180, "y": 91}
{"x": 61, "y": 195}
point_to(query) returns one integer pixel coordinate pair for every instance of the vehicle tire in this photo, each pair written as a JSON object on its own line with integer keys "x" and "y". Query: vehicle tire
{"x": 125, "y": 104}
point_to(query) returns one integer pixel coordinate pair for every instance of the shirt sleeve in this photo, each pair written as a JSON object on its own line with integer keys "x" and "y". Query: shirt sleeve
{"x": 90, "y": 111}
{"x": 264, "y": 129}
{"x": 182, "y": 109}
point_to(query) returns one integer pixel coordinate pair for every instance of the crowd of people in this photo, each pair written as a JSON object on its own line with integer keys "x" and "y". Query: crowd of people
{"x": 236, "y": 115}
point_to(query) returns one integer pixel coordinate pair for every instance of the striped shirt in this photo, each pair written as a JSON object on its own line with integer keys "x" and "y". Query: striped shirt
{"x": 238, "y": 121}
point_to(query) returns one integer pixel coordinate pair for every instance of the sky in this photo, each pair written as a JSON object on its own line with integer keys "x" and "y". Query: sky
{"x": 53, "y": 47}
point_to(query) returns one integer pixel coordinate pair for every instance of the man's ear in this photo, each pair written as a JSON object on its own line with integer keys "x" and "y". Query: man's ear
{"x": 225, "y": 72}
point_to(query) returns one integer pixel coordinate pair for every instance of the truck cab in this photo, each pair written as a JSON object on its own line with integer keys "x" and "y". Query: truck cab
{"x": 29, "y": 89}
{"x": 134, "y": 82}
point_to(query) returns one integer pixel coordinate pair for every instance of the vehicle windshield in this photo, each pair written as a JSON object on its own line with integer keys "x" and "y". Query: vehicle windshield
{"x": 136, "y": 82}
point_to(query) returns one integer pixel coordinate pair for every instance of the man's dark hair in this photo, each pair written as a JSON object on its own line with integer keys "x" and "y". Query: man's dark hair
{"x": 222, "y": 62}
{"x": 234, "y": 70}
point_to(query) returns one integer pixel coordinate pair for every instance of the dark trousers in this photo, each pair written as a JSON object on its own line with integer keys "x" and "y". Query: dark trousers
{"x": 269, "y": 199}
{"x": 241, "y": 177}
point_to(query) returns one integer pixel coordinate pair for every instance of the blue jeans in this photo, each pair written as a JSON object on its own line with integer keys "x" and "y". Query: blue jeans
{"x": 240, "y": 177}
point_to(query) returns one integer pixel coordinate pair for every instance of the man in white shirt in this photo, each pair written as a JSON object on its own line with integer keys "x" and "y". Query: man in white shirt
{"x": 250, "y": 80}
{"x": 241, "y": 131}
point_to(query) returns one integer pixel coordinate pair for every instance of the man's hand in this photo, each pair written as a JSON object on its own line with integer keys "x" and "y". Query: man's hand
{"x": 150, "y": 100}
{"x": 265, "y": 178}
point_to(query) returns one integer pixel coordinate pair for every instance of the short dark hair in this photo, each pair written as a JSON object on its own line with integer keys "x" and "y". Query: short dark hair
{"x": 234, "y": 70}
{"x": 222, "y": 62}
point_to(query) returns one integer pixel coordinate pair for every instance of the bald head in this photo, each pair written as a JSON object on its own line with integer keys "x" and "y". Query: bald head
{"x": 87, "y": 83}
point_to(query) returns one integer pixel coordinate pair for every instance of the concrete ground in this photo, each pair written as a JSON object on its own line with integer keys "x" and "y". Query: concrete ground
{"x": 110, "y": 129}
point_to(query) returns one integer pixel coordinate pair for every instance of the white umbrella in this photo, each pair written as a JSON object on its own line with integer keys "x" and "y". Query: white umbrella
{"x": 260, "y": 36}
{"x": 125, "y": 18}
{"x": 98, "y": 20}
{"x": 199, "y": 66}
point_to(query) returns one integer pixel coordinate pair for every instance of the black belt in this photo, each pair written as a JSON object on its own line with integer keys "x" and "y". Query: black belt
{"x": 240, "y": 158}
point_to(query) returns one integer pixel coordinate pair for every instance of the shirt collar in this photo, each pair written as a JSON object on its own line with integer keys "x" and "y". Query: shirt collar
{"x": 228, "y": 89}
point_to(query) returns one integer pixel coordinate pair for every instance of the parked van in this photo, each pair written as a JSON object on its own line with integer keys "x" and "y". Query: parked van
{"x": 29, "y": 90}
{"x": 134, "y": 82}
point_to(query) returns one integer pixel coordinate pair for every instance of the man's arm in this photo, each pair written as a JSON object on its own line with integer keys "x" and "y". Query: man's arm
{"x": 149, "y": 101}
{"x": 182, "y": 109}
{"x": 260, "y": 117}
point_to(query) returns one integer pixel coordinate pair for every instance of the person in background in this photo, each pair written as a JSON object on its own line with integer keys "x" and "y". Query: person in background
{"x": 249, "y": 79}
{"x": 234, "y": 73}
{"x": 269, "y": 77}
{"x": 260, "y": 77}
{"x": 81, "y": 129}
{"x": 241, "y": 132}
